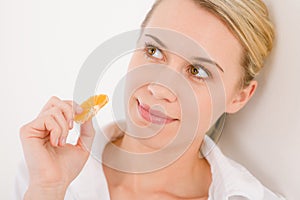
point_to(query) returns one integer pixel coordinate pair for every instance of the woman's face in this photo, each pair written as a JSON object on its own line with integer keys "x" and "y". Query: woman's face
{"x": 188, "y": 19}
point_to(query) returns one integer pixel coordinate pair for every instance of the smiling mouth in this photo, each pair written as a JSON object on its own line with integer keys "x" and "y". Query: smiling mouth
{"x": 153, "y": 116}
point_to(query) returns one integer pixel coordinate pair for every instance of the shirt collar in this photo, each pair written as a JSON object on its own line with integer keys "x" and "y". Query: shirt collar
{"x": 229, "y": 178}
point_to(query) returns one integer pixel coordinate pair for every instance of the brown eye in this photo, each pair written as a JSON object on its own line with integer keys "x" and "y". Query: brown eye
{"x": 194, "y": 70}
{"x": 154, "y": 52}
{"x": 198, "y": 71}
{"x": 151, "y": 50}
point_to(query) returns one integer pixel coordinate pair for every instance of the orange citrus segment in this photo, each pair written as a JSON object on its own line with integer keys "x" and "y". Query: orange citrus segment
{"x": 91, "y": 107}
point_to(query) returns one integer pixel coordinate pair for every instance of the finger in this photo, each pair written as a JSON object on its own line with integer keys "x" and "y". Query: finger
{"x": 87, "y": 133}
{"x": 61, "y": 121}
{"x": 50, "y": 103}
{"x": 76, "y": 110}
{"x": 67, "y": 112}
{"x": 42, "y": 127}
{"x": 76, "y": 107}
{"x": 65, "y": 108}
{"x": 55, "y": 130}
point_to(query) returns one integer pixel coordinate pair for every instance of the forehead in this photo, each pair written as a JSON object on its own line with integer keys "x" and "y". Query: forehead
{"x": 207, "y": 30}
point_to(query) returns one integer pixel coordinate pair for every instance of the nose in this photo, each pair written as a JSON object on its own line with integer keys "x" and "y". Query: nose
{"x": 161, "y": 92}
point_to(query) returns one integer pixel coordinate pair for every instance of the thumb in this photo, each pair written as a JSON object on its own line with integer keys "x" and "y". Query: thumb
{"x": 87, "y": 134}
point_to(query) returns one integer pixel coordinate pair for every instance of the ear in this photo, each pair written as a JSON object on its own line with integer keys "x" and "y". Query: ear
{"x": 242, "y": 97}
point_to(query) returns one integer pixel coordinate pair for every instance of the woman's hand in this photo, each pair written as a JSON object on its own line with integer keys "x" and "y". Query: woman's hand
{"x": 52, "y": 163}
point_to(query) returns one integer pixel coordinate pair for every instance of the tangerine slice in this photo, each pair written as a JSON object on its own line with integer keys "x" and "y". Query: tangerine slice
{"x": 91, "y": 107}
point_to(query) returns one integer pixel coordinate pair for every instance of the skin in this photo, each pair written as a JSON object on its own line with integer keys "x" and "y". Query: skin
{"x": 43, "y": 139}
{"x": 214, "y": 38}
{"x": 52, "y": 163}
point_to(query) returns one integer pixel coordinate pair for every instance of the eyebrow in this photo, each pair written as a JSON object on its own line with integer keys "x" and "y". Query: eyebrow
{"x": 194, "y": 58}
{"x": 157, "y": 40}
{"x": 208, "y": 61}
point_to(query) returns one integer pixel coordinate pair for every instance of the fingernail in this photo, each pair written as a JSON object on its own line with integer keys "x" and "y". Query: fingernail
{"x": 71, "y": 124}
{"x": 78, "y": 109}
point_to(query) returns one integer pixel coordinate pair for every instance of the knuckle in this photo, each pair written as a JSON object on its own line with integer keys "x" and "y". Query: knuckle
{"x": 54, "y": 98}
{"x": 68, "y": 102}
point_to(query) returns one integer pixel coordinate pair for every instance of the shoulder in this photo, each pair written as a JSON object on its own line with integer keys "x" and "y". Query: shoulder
{"x": 231, "y": 180}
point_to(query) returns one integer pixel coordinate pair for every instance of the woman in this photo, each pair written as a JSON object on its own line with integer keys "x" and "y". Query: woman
{"x": 237, "y": 35}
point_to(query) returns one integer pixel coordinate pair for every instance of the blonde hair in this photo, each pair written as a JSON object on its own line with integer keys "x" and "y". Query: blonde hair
{"x": 249, "y": 21}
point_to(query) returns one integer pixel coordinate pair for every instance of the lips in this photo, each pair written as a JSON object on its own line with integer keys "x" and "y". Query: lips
{"x": 153, "y": 116}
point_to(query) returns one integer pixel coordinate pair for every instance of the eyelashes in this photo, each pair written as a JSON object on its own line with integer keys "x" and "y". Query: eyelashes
{"x": 154, "y": 53}
{"x": 199, "y": 72}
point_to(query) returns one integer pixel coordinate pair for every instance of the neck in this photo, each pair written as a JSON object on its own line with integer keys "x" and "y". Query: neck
{"x": 185, "y": 176}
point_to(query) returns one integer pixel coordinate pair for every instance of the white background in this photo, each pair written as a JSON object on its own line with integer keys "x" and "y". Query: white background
{"x": 44, "y": 43}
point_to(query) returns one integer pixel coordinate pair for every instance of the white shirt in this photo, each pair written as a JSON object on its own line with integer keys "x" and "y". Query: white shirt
{"x": 230, "y": 180}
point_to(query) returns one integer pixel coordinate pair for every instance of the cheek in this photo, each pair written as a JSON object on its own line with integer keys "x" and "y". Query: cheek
{"x": 205, "y": 109}
{"x": 131, "y": 105}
